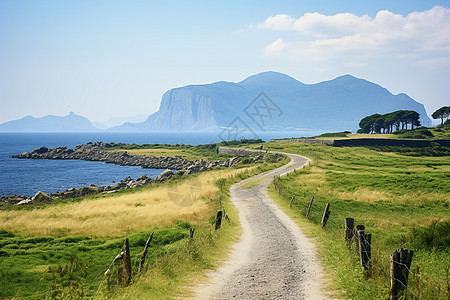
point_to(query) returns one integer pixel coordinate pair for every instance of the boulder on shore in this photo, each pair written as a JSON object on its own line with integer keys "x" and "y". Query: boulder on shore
{"x": 41, "y": 197}
{"x": 165, "y": 175}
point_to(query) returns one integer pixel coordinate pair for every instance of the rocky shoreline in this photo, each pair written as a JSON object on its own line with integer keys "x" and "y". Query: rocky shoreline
{"x": 97, "y": 152}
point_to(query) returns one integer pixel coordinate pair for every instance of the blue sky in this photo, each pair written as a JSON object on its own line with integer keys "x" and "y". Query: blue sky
{"x": 104, "y": 59}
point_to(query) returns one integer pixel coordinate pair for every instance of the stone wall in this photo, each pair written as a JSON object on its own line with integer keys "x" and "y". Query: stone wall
{"x": 235, "y": 151}
{"x": 370, "y": 142}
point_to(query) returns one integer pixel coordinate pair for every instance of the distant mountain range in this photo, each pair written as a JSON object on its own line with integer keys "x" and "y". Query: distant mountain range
{"x": 69, "y": 123}
{"x": 266, "y": 101}
{"x": 273, "y": 101}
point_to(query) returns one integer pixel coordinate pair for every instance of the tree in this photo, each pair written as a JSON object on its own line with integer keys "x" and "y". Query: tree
{"x": 386, "y": 123}
{"x": 442, "y": 113}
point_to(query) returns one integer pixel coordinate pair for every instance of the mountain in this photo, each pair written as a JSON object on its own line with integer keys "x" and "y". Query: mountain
{"x": 273, "y": 101}
{"x": 119, "y": 121}
{"x": 69, "y": 123}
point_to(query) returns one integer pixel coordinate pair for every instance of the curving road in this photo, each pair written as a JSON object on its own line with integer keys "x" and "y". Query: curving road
{"x": 273, "y": 259}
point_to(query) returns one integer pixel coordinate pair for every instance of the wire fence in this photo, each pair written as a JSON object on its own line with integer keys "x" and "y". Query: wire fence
{"x": 435, "y": 285}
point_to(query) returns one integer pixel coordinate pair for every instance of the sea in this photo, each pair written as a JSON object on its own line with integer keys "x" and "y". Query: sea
{"x": 27, "y": 176}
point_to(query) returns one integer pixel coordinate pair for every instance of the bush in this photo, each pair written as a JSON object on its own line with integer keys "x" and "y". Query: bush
{"x": 430, "y": 237}
{"x": 334, "y": 134}
{"x": 419, "y": 133}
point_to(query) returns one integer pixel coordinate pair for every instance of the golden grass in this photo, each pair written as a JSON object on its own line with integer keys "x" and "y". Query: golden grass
{"x": 363, "y": 194}
{"x": 113, "y": 216}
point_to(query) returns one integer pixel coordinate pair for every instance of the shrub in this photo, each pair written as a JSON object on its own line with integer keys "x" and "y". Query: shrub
{"x": 334, "y": 134}
{"x": 430, "y": 237}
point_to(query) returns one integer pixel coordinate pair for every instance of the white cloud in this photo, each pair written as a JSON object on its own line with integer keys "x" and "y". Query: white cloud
{"x": 420, "y": 36}
{"x": 278, "y": 22}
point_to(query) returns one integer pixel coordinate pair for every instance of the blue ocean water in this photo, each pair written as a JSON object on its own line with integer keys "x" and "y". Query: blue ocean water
{"x": 27, "y": 176}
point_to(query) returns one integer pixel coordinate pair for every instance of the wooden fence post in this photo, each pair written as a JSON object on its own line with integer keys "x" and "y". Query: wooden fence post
{"x": 127, "y": 260}
{"x": 349, "y": 225}
{"x": 144, "y": 254}
{"x": 191, "y": 232}
{"x": 326, "y": 215}
{"x": 218, "y": 220}
{"x": 400, "y": 265}
{"x": 309, "y": 207}
{"x": 292, "y": 200}
{"x": 365, "y": 252}
{"x": 355, "y": 235}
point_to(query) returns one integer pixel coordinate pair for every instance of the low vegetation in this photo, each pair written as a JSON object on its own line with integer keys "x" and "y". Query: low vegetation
{"x": 402, "y": 200}
{"x": 62, "y": 250}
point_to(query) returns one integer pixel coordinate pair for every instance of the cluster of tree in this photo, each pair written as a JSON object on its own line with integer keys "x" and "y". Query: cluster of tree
{"x": 442, "y": 113}
{"x": 389, "y": 122}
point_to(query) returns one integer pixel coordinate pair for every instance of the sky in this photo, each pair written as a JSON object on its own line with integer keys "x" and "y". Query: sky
{"x": 107, "y": 59}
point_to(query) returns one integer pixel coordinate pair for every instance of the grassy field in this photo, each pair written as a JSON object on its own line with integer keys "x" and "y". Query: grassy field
{"x": 62, "y": 250}
{"x": 403, "y": 201}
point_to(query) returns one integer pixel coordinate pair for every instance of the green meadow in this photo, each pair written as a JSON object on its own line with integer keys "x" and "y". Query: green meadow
{"x": 403, "y": 201}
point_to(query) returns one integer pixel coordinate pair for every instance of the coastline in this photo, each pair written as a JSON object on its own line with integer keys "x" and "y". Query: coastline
{"x": 97, "y": 152}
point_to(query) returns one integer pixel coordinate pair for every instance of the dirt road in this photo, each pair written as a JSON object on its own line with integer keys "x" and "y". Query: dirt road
{"x": 273, "y": 259}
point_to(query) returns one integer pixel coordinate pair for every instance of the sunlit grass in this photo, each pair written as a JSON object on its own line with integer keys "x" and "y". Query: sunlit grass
{"x": 391, "y": 194}
{"x": 111, "y": 216}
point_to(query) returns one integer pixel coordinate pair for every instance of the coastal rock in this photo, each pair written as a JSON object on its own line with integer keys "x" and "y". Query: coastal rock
{"x": 13, "y": 199}
{"x": 41, "y": 197}
{"x": 40, "y": 150}
{"x": 165, "y": 175}
{"x": 25, "y": 202}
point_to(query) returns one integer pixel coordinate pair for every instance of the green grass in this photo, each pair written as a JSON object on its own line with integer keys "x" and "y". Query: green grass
{"x": 34, "y": 267}
{"x": 334, "y": 134}
{"x": 403, "y": 202}
{"x": 26, "y": 262}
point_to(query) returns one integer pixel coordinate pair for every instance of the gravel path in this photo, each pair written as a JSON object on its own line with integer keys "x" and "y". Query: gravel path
{"x": 273, "y": 259}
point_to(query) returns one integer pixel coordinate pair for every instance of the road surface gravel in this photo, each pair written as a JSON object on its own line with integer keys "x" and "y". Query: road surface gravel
{"x": 273, "y": 259}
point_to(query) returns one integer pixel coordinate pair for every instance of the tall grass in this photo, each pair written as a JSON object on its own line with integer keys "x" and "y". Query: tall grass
{"x": 403, "y": 201}
{"x": 187, "y": 200}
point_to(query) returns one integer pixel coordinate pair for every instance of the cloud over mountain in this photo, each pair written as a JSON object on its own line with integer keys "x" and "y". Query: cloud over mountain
{"x": 422, "y": 36}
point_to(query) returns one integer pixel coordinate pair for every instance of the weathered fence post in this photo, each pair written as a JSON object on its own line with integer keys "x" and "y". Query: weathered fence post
{"x": 355, "y": 235}
{"x": 349, "y": 225}
{"x": 218, "y": 220}
{"x": 292, "y": 200}
{"x": 144, "y": 254}
{"x": 400, "y": 265}
{"x": 191, "y": 232}
{"x": 127, "y": 260}
{"x": 365, "y": 252}
{"x": 309, "y": 207}
{"x": 326, "y": 215}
